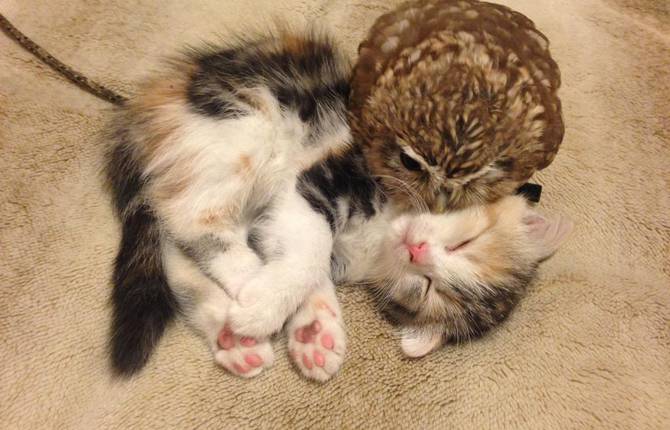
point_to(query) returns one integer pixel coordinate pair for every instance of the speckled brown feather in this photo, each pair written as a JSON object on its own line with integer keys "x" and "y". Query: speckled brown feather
{"x": 470, "y": 86}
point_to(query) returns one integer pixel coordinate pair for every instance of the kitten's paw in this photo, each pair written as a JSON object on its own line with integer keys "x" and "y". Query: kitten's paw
{"x": 317, "y": 341}
{"x": 242, "y": 356}
{"x": 260, "y": 319}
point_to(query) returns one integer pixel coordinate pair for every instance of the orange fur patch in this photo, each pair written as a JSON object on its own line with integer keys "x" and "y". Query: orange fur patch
{"x": 159, "y": 111}
{"x": 244, "y": 165}
{"x": 210, "y": 217}
{"x": 291, "y": 42}
{"x": 160, "y": 105}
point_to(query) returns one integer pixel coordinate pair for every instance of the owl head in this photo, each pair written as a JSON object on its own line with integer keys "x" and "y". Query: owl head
{"x": 450, "y": 111}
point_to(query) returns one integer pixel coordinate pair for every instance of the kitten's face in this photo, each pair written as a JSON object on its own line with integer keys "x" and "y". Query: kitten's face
{"x": 430, "y": 259}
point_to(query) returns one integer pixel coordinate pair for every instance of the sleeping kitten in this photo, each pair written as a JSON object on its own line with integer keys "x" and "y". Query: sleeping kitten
{"x": 237, "y": 186}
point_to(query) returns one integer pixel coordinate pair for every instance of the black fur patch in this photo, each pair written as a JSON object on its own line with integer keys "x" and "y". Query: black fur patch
{"x": 211, "y": 97}
{"x": 318, "y": 204}
{"x": 123, "y": 173}
{"x": 341, "y": 177}
{"x": 211, "y": 90}
{"x": 301, "y": 80}
{"x": 143, "y": 304}
{"x": 532, "y": 192}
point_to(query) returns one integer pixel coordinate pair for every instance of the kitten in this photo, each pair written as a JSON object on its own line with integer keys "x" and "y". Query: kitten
{"x": 448, "y": 276}
{"x": 203, "y": 169}
{"x": 241, "y": 196}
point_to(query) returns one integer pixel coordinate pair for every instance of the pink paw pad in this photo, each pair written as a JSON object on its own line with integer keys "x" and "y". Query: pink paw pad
{"x": 250, "y": 359}
{"x": 308, "y": 333}
{"x": 306, "y": 361}
{"x": 327, "y": 341}
{"x": 319, "y": 359}
{"x": 253, "y": 360}
{"x": 226, "y": 338}
{"x": 248, "y": 341}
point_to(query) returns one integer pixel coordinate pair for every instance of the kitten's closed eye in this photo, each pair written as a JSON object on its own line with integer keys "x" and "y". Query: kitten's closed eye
{"x": 460, "y": 245}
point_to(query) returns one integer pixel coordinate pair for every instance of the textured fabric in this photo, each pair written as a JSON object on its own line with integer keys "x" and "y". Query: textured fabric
{"x": 588, "y": 347}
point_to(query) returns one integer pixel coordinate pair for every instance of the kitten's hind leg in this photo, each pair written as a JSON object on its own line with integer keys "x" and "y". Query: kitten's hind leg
{"x": 317, "y": 341}
{"x": 205, "y": 306}
{"x": 299, "y": 264}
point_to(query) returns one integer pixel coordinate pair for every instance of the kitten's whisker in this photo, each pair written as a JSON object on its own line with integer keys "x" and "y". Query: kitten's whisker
{"x": 415, "y": 201}
{"x": 399, "y": 185}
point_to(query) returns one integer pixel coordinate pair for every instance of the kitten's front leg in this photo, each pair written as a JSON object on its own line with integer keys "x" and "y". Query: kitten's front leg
{"x": 299, "y": 263}
{"x": 316, "y": 336}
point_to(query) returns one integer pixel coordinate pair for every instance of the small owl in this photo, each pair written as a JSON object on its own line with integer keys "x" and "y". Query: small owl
{"x": 455, "y": 102}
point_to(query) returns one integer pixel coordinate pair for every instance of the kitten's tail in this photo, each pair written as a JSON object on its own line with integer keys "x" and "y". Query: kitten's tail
{"x": 142, "y": 300}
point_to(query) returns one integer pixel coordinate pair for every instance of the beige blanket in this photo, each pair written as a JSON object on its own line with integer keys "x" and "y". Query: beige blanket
{"x": 588, "y": 348}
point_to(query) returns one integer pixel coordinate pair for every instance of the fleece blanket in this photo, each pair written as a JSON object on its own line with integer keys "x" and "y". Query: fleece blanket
{"x": 588, "y": 348}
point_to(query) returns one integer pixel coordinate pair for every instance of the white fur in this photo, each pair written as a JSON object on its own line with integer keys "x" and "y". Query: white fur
{"x": 419, "y": 343}
{"x": 299, "y": 240}
{"x": 282, "y": 285}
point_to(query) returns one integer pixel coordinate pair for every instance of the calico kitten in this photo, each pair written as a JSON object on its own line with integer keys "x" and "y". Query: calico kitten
{"x": 204, "y": 169}
{"x": 443, "y": 276}
{"x": 241, "y": 196}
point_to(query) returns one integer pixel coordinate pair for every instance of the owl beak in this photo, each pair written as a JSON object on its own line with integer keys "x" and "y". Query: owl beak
{"x": 441, "y": 201}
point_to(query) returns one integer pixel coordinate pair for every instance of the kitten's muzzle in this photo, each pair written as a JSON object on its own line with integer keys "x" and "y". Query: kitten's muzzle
{"x": 417, "y": 252}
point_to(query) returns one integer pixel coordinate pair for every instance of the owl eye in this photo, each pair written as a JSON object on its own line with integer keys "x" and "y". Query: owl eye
{"x": 409, "y": 162}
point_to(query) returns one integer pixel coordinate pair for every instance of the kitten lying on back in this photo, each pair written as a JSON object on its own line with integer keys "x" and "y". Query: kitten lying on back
{"x": 204, "y": 167}
{"x": 236, "y": 181}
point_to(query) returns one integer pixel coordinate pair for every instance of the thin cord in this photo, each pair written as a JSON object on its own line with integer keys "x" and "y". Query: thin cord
{"x": 68, "y": 72}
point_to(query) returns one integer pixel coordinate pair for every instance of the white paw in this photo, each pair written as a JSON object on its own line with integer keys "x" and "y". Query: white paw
{"x": 260, "y": 320}
{"x": 242, "y": 356}
{"x": 317, "y": 341}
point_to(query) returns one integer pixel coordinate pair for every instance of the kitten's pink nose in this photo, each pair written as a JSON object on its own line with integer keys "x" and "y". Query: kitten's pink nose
{"x": 417, "y": 252}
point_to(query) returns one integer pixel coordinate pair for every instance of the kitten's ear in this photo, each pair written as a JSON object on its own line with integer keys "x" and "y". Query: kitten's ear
{"x": 547, "y": 233}
{"x": 417, "y": 343}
